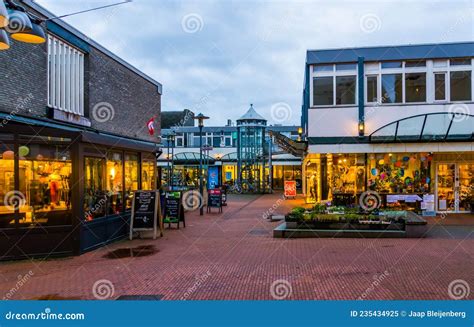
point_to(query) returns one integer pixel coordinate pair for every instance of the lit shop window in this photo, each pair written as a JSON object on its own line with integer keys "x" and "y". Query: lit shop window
{"x": 399, "y": 172}
{"x": 65, "y": 77}
{"x": 114, "y": 183}
{"x": 95, "y": 195}
{"x": 346, "y": 173}
{"x": 131, "y": 178}
{"x": 45, "y": 183}
{"x": 7, "y": 185}
{"x": 148, "y": 174}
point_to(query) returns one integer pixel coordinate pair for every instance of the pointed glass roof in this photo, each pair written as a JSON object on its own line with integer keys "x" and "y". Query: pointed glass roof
{"x": 251, "y": 114}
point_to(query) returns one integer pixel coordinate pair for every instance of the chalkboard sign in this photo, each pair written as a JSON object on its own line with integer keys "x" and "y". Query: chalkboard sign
{"x": 145, "y": 212}
{"x": 214, "y": 199}
{"x": 174, "y": 212}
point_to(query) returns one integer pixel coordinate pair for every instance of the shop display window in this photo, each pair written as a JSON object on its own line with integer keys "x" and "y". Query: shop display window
{"x": 131, "y": 178}
{"x": 95, "y": 195}
{"x": 114, "y": 183}
{"x": 346, "y": 173}
{"x": 312, "y": 182}
{"x": 148, "y": 174}
{"x": 399, "y": 172}
{"x": 45, "y": 185}
{"x": 7, "y": 186}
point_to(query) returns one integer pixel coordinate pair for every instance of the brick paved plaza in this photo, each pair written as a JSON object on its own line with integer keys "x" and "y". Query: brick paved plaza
{"x": 233, "y": 256}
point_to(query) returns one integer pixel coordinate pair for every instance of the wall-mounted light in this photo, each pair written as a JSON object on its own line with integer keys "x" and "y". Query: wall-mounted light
{"x": 361, "y": 128}
{"x": 300, "y": 133}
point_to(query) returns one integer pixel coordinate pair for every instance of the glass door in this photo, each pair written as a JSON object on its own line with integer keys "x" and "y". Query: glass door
{"x": 446, "y": 187}
{"x": 455, "y": 187}
{"x": 466, "y": 186}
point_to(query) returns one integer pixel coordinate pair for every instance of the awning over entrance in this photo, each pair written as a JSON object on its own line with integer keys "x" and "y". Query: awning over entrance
{"x": 191, "y": 158}
{"x": 448, "y": 126}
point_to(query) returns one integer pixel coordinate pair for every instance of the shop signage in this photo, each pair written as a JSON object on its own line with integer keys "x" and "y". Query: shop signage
{"x": 146, "y": 213}
{"x": 172, "y": 206}
{"x": 214, "y": 199}
{"x": 409, "y": 198}
{"x": 70, "y": 118}
{"x": 213, "y": 177}
{"x": 290, "y": 189}
{"x": 428, "y": 205}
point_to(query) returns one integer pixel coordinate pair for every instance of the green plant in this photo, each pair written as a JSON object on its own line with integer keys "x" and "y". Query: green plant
{"x": 319, "y": 208}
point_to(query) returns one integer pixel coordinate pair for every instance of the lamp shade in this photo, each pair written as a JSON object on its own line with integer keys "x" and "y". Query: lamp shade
{"x": 35, "y": 35}
{"x": 3, "y": 15}
{"x": 18, "y": 22}
{"x": 4, "y": 42}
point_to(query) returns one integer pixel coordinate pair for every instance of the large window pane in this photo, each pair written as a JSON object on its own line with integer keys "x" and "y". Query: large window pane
{"x": 440, "y": 86}
{"x": 148, "y": 174}
{"x": 323, "y": 91}
{"x": 45, "y": 183}
{"x": 415, "y": 87}
{"x": 461, "y": 86}
{"x": 131, "y": 178}
{"x": 114, "y": 183}
{"x": 95, "y": 195}
{"x": 371, "y": 89}
{"x": 391, "y": 88}
{"x": 7, "y": 186}
{"x": 345, "y": 89}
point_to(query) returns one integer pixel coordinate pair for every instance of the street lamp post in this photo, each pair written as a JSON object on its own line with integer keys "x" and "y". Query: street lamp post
{"x": 200, "y": 118}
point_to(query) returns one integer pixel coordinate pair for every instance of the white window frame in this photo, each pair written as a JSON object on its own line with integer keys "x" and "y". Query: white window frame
{"x": 180, "y": 137}
{"x": 65, "y": 76}
{"x": 446, "y": 86}
{"x": 334, "y": 73}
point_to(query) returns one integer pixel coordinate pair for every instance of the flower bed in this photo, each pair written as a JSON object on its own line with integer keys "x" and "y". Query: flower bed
{"x": 341, "y": 218}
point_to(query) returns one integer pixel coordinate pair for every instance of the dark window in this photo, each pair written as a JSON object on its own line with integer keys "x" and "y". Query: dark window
{"x": 440, "y": 86}
{"x": 371, "y": 88}
{"x": 415, "y": 87}
{"x": 460, "y": 86}
{"x": 323, "y": 68}
{"x": 392, "y": 64}
{"x": 340, "y": 67}
{"x": 392, "y": 88}
{"x": 345, "y": 89}
{"x": 323, "y": 91}
{"x": 460, "y": 62}
{"x": 216, "y": 141}
{"x": 415, "y": 63}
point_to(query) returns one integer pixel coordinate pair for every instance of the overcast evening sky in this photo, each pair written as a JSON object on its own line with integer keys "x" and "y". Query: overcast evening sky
{"x": 216, "y": 57}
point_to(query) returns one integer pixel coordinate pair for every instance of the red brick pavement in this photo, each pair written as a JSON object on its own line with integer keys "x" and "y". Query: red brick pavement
{"x": 233, "y": 256}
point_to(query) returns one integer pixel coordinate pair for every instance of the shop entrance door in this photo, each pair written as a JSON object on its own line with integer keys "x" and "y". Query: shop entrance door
{"x": 454, "y": 187}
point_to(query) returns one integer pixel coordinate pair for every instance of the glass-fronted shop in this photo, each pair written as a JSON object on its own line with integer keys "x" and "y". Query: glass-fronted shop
{"x": 65, "y": 191}
{"x": 401, "y": 179}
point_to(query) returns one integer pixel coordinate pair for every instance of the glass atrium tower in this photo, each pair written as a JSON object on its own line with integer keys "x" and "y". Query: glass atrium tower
{"x": 251, "y": 151}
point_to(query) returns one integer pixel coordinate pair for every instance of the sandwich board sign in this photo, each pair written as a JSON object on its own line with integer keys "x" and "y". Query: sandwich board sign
{"x": 290, "y": 189}
{"x": 146, "y": 213}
